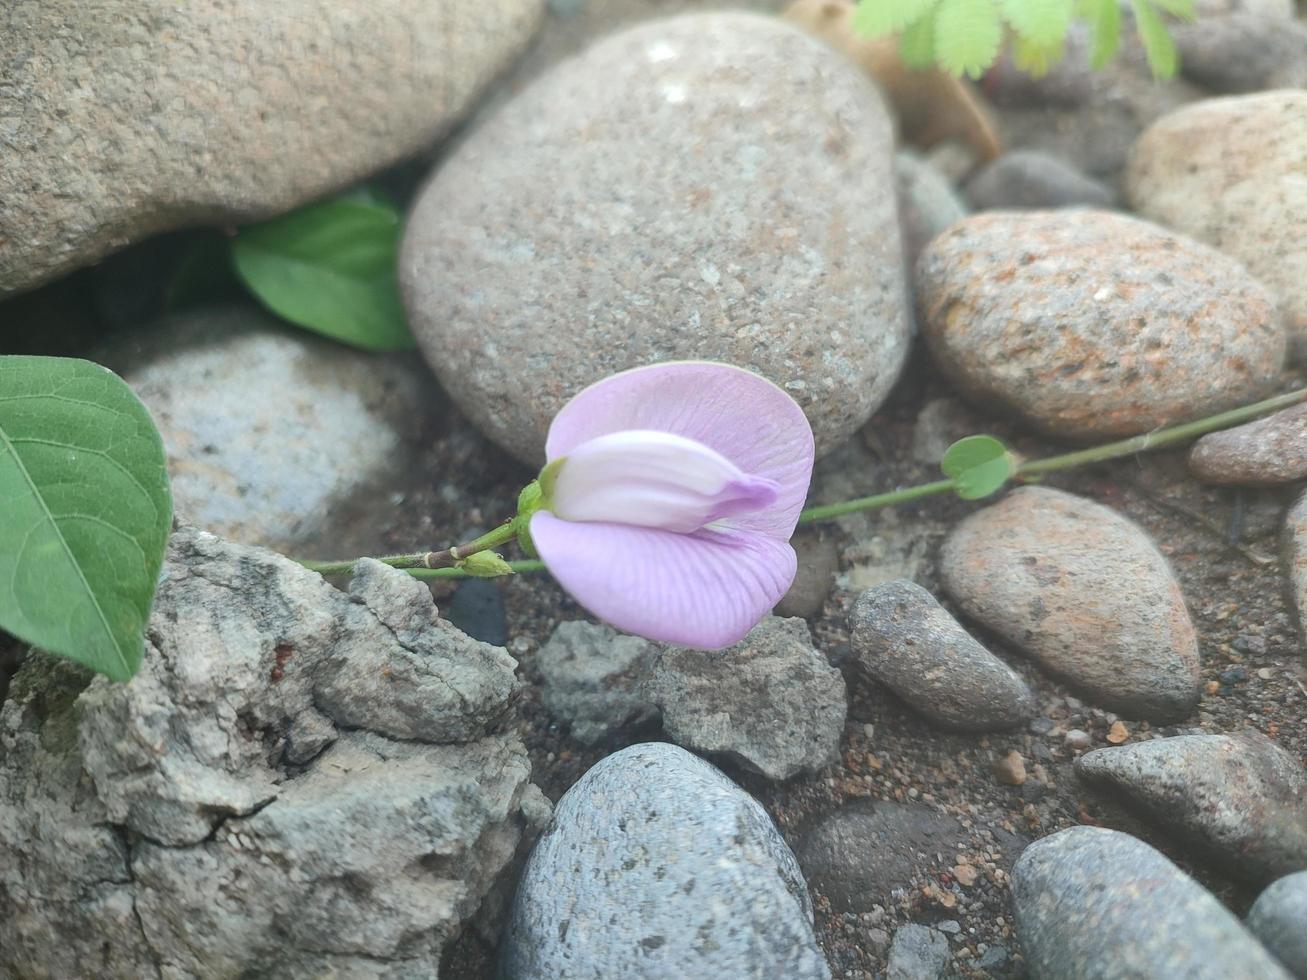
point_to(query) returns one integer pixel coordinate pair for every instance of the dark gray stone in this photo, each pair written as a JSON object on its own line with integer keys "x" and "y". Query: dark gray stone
{"x": 819, "y": 560}
{"x": 1030, "y": 179}
{"x": 219, "y": 120}
{"x": 1095, "y": 904}
{"x": 866, "y": 853}
{"x": 1241, "y": 799}
{"x": 1264, "y": 453}
{"x": 772, "y": 703}
{"x": 1243, "y": 52}
{"x": 748, "y": 215}
{"x": 657, "y": 865}
{"x": 1095, "y": 325}
{"x": 477, "y": 608}
{"x": 590, "y": 677}
{"x": 928, "y": 202}
{"x": 1046, "y": 571}
{"x": 1278, "y": 918}
{"x": 1293, "y": 550}
{"x": 917, "y": 953}
{"x": 906, "y": 640}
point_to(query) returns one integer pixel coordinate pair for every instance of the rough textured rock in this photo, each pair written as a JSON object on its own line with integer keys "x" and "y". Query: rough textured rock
{"x": 771, "y": 703}
{"x": 224, "y": 385}
{"x": 1030, "y": 179}
{"x": 1095, "y": 904}
{"x": 906, "y": 640}
{"x": 1260, "y": 454}
{"x": 867, "y": 853}
{"x": 928, "y": 203}
{"x": 917, "y": 953}
{"x": 748, "y": 216}
{"x": 123, "y": 120}
{"x": 819, "y": 560}
{"x": 657, "y": 865}
{"x": 1293, "y": 548}
{"x": 1091, "y": 324}
{"x": 1277, "y": 918}
{"x": 1082, "y": 590}
{"x": 1230, "y": 172}
{"x": 590, "y": 676}
{"x": 211, "y": 819}
{"x": 1240, "y": 799}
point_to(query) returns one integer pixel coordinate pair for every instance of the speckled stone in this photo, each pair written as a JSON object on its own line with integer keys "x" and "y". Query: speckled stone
{"x": 657, "y": 865}
{"x": 1260, "y": 454}
{"x": 906, "y": 640}
{"x": 1241, "y": 799}
{"x": 590, "y": 674}
{"x": 819, "y": 560}
{"x": 1231, "y": 172}
{"x": 928, "y": 202}
{"x": 1095, "y": 904}
{"x": 772, "y": 703}
{"x": 713, "y": 186}
{"x": 1095, "y": 325}
{"x": 125, "y": 118}
{"x": 1030, "y": 179}
{"x": 1082, "y": 590}
{"x": 1293, "y": 550}
{"x": 1243, "y": 46}
{"x": 1277, "y": 919}
{"x": 917, "y": 953}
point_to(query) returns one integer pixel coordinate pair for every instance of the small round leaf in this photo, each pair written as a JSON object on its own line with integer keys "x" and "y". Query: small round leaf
{"x": 978, "y": 466}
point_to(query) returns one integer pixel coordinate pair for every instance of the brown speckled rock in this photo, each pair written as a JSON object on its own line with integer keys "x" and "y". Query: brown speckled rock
{"x": 1094, "y": 325}
{"x": 1240, "y": 799}
{"x": 124, "y": 118}
{"x": 1083, "y": 591}
{"x": 1260, "y": 454}
{"x": 1294, "y": 550}
{"x": 1233, "y": 172}
{"x": 713, "y": 186}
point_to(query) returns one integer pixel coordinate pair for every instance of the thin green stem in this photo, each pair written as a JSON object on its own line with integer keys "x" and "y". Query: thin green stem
{"x": 827, "y": 511}
{"x": 424, "y": 560}
{"x": 525, "y": 565}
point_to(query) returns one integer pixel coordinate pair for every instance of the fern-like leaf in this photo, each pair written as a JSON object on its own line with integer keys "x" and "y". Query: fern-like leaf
{"x": 917, "y": 44}
{"x": 1163, "y": 58}
{"x": 1043, "y": 23}
{"x": 968, "y": 34}
{"x": 1034, "y": 58}
{"x": 877, "y": 18}
{"x": 1181, "y": 9}
{"x": 1104, "y": 17}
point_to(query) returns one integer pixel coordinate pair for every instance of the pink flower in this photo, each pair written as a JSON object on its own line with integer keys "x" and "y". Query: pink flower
{"x": 671, "y": 492}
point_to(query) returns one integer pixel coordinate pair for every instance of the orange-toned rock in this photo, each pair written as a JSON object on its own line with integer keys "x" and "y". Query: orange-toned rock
{"x": 931, "y": 105}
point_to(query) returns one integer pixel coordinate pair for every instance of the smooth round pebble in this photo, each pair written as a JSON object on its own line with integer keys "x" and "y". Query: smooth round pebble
{"x": 657, "y": 865}
{"x": 1096, "y": 904}
{"x": 1233, "y": 172}
{"x": 1278, "y": 918}
{"x": 917, "y": 953}
{"x": 1264, "y": 453}
{"x": 1091, "y": 324}
{"x": 713, "y": 186}
{"x": 910, "y": 643}
{"x": 1031, "y": 179}
{"x": 1083, "y": 591}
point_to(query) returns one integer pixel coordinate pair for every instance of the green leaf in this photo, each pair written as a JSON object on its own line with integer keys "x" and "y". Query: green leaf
{"x": 1105, "y": 19}
{"x": 917, "y": 45}
{"x": 86, "y": 511}
{"x": 330, "y": 267}
{"x": 978, "y": 466}
{"x": 1163, "y": 58}
{"x": 1041, "y": 23}
{"x": 967, "y": 36}
{"x": 1035, "y": 59}
{"x": 877, "y": 18}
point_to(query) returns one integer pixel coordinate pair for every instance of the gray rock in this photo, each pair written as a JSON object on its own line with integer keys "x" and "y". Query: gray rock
{"x": 867, "y": 853}
{"x": 1243, "y": 52}
{"x": 747, "y": 215}
{"x": 928, "y": 202}
{"x": 1240, "y": 799}
{"x": 209, "y": 819}
{"x": 819, "y": 560}
{"x": 1277, "y": 918}
{"x": 772, "y": 703}
{"x": 125, "y": 119}
{"x": 906, "y": 640}
{"x": 1094, "y": 325}
{"x": 1047, "y": 571}
{"x": 1031, "y": 179}
{"x": 225, "y": 385}
{"x": 1229, "y": 171}
{"x": 1260, "y": 454}
{"x": 590, "y": 675}
{"x": 657, "y": 865}
{"x": 940, "y": 423}
{"x": 917, "y": 953}
{"x": 1293, "y": 549}
{"x": 1095, "y": 904}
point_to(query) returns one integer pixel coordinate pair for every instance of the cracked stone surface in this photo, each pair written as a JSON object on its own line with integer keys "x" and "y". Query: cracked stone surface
{"x": 299, "y": 782}
{"x": 591, "y": 675}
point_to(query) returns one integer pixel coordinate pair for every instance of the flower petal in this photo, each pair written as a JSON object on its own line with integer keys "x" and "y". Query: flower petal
{"x": 741, "y": 415}
{"x": 705, "y": 589}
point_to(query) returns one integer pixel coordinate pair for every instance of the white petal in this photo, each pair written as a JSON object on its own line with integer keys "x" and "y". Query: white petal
{"x": 654, "y": 479}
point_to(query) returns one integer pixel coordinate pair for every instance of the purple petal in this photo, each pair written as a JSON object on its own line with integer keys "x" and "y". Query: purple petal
{"x": 705, "y": 589}
{"x": 746, "y": 418}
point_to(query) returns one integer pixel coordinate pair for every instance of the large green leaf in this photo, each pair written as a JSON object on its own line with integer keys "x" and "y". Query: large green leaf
{"x": 330, "y": 267}
{"x": 85, "y": 511}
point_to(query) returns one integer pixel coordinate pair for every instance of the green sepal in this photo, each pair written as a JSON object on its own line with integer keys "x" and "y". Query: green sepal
{"x": 485, "y": 564}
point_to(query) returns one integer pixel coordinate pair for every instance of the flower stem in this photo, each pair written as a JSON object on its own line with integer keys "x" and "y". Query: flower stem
{"x": 525, "y": 565}
{"x": 425, "y": 561}
{"x": 826, "y": 511}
